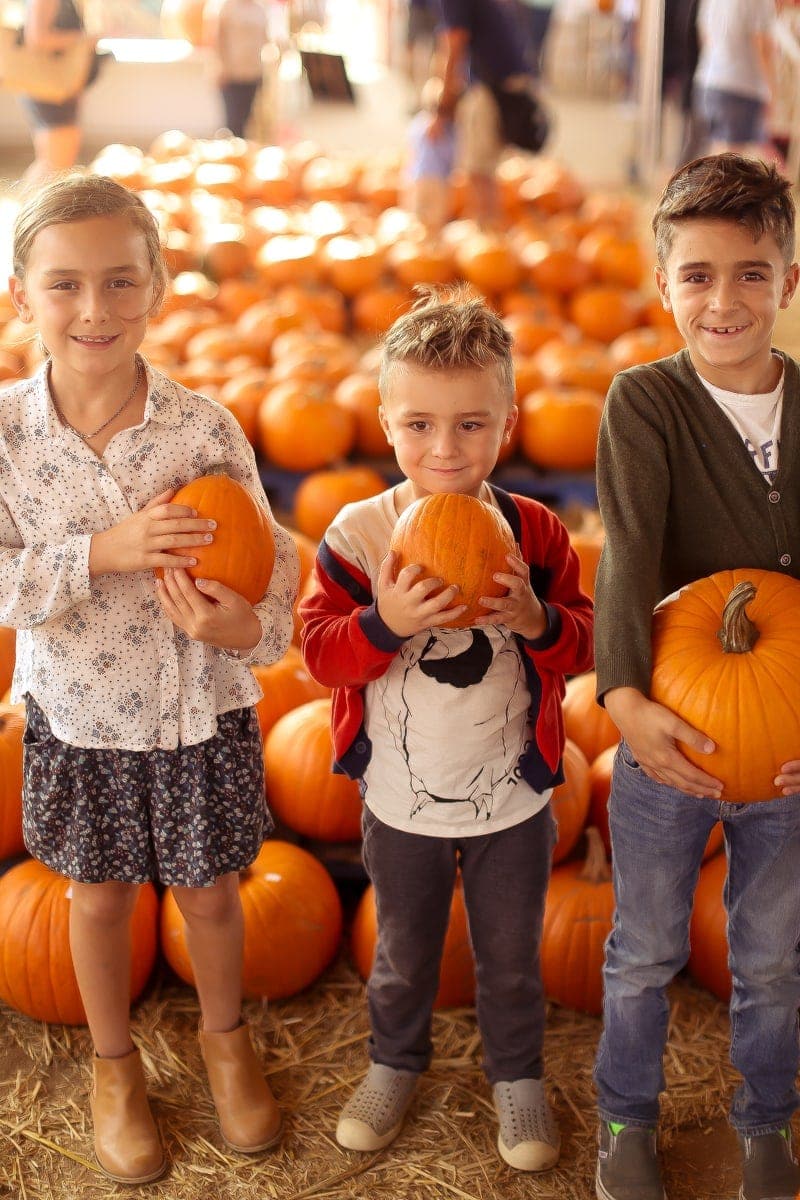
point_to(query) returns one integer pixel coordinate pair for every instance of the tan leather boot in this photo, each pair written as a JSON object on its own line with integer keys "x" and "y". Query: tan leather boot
{"x": 249, "y": 1117}
{"x": 126, "y": 1141}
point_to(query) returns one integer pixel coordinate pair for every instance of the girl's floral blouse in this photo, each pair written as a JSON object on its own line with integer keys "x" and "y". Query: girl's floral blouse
{"x": 98, "y": 655}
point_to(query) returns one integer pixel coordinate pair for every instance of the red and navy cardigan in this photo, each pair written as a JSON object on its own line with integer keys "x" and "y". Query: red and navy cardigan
{"x": 345, "y": 643}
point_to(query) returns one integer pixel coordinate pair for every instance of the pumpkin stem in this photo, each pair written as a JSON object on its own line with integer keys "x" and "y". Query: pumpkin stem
{"x": 595, "y": 867}
{"x": 738, "y": 633}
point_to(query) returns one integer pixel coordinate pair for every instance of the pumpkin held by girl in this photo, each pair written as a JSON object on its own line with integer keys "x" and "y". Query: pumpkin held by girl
{"x": 242, "y": 554}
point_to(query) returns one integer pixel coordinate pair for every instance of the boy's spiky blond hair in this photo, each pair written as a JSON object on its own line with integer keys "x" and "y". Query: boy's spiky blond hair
{"x": 448, "y": 330}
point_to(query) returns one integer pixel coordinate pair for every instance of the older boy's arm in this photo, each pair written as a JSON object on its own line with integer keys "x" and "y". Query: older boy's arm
{"x": 633, "y": 485}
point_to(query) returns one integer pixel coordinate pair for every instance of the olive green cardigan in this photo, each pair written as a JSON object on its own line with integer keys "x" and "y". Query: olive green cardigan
{"x": 680, "y": 498}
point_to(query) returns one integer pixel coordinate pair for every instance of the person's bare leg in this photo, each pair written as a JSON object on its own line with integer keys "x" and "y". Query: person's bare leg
{"x": 54, "y": 150}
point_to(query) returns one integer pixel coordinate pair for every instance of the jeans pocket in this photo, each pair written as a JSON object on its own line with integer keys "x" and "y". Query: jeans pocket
{"x": 625, "y": 757}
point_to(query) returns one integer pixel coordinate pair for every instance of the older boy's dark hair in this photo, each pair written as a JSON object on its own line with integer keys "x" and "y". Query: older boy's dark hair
{"x": 727, "y": 187}
{"x": 449, "y": 330}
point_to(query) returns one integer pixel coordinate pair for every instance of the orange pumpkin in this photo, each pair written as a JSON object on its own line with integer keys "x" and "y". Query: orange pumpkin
{"x": 708, "y": 931}
{"x": 614, "y": 257}
{"x": 12, "y": 727}
{"x": 321, "y": 495}
{"x": 242, "y": 553}
{"x": 558, "y": 427}
{"x": 585, "y": 722}
{"x": 359, "y": 393}
{"x": 577, "y": 920}
{"x": 570, "y": 801}
{"x": 301, "y": 429}
{"x": 36, "y": 972}
{"x": 583, "y": 364}
{"x": 292, "y": 923}
{"x": 726, "y": 658}
{"x": 603, "y": 311}
{"x": 286, "y": 684}
{"x": 460, "y": 540}
{"x": 644, "y": 345}
{"x": 302, "y": 791}
{"x": 487, "y": 261}
{"x": 457, "y": 976}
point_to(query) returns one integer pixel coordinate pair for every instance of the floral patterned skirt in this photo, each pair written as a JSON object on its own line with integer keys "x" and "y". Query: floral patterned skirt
{"x": 181, "y": 816}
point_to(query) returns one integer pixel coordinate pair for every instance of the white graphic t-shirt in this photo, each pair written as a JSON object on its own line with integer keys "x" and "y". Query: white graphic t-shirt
{"x": 757, "y": 419}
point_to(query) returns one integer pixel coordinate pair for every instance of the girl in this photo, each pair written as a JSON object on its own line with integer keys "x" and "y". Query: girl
{"x": 142, "y": 751}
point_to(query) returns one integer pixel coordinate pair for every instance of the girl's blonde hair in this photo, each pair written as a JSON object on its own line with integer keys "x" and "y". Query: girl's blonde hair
{"x": 76, "y": 197}
{"x": 449, "y": 330}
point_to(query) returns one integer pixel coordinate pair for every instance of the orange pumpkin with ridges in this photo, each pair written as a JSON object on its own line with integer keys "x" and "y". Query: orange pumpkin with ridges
{"x": 321, "y": 495}
{"x": 726, "y": 659}
{"x": 36, "y": 972}
{"x": 302, "y": 790}
{"x": 460, "y": 540}
{"x": 286, "y": 684}
{"x": 570, "y": 801}
{"x": 292, "y": 923}
{"x": 242, "y": 554}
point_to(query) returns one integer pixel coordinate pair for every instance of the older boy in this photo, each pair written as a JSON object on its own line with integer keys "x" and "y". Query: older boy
{"x": 455, "y": 734}
{"x": 699, "y": 470}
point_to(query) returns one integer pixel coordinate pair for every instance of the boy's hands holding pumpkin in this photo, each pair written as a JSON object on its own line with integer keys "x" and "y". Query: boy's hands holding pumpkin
{"x": 520, "y": 610}
{"x": 652, "y": 731}
{"x": 409, "y": 604}
{"x": 208, "y": 611}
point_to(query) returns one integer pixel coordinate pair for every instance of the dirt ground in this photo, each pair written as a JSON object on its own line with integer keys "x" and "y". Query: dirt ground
{"x": 313, "y": 1050}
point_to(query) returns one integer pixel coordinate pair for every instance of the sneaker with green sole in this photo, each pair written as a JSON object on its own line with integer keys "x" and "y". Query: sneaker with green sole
{"x": 627, "y": 1163}
{"x": 769, "y": 1169}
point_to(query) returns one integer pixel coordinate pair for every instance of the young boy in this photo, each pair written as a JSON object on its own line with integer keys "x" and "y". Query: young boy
{"x": 698, "y": 470}
{"x": 455, "y": 734}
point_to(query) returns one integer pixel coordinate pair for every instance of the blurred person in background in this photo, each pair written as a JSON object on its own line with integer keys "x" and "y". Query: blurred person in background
{"x": 733, "y": 82}
{"x": 481, "y": 48}
{"x": 535, "y": 17}
{"x": 430, "y": 163}
{"x": 421, "y": 22}
{"x": 237, "y": 33}
{"x": 55, "y": 128}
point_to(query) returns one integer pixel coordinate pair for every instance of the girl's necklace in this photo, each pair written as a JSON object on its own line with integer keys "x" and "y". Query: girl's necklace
{"x": 85, "y": 437}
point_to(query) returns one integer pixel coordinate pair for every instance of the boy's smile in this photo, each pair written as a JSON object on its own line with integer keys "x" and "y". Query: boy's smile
{"x": 725, "y": 291}
{"x": 446, "y": 427}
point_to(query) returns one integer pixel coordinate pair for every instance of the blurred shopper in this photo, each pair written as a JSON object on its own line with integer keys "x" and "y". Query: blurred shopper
{"x": 535, "y": 17}
{"x": 55, "y": 128}
{"x": 734, "y": 78}
{"x": 482, "y": 51}
{"x": 430, "y": 162}
{"x": 423, "y": 16}
{"x": 237, "y": 33}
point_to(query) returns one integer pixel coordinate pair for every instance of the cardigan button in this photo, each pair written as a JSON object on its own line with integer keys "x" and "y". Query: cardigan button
{"x": 361, "y": 747}
{"x": 774, "y": 497}
{"x": 786, "y": 560}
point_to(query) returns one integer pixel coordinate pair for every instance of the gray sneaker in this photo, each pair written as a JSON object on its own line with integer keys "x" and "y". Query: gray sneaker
{"x": 769, "y": 1170}
{"x": 627, "y": 1164}
{"x": 528, "y": 1138}
{"x": 373, "y": 1116}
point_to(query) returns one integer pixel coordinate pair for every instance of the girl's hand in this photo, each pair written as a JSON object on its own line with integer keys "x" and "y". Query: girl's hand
{"x": 406, "y": 604}
{"x": 520, "y": 610}
{"x": 141, "y": 541}
{"x": 208, "y": 611}
{"x": 789, "y": 778}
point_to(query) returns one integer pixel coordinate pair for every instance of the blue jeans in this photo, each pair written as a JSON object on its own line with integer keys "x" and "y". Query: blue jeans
{"x": 658, "y": 836}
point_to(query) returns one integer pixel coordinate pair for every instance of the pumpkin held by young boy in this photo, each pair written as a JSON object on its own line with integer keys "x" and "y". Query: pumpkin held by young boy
{"x": 726, "y": 659}
{"x": 457, "y": 539}
{"x": 242, "y": 553}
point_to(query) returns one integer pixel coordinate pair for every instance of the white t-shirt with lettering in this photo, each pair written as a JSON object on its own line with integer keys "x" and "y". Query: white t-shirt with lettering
{"x": 757, "y": 419}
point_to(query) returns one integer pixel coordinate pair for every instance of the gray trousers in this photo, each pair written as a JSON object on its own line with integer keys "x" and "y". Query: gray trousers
{"x": 505, "y": 876}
